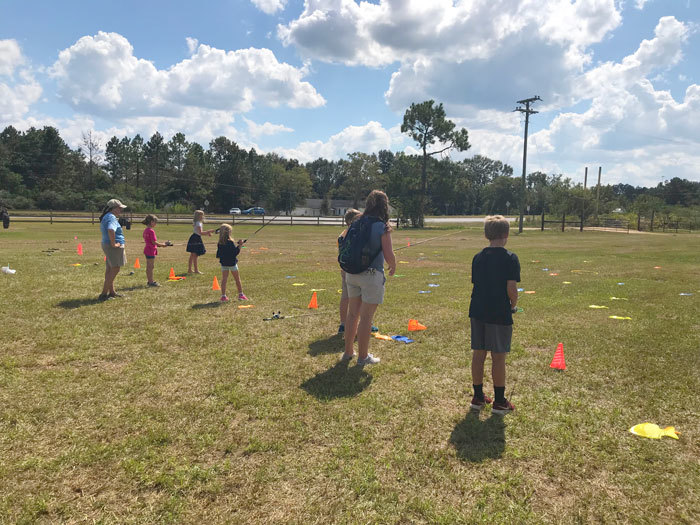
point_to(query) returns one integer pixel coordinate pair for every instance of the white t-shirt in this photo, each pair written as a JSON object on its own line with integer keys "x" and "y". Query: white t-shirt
{"x": 194, "y": 228}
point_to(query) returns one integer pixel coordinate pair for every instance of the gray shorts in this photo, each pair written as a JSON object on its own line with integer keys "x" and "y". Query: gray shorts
{"x": 369, "y": 285}
{"x": 115, "y": 257}
{"x": 233, "y": 268}
{"x": 344, "y": 293}
{"x": 491, "y": 337}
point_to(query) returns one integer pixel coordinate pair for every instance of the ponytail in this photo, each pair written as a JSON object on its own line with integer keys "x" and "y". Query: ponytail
{"x": 105, "y": 211}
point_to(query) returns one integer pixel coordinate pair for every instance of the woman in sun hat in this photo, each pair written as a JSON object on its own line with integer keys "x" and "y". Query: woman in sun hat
{"x": 112, "y": 246}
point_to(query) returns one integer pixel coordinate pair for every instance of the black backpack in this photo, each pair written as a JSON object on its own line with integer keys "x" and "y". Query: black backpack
{"x": 354, "y": 254}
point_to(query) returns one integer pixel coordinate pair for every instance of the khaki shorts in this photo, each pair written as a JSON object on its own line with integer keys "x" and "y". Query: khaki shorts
{"x": 369, "y": 285}
{"x": 344, "y": 294}
{"x": 115, "y": 257}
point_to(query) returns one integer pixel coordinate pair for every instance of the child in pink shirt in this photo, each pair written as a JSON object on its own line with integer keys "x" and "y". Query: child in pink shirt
{"x": 151, "y": 248}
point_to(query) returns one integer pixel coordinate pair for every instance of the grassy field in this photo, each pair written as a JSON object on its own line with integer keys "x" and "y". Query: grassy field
{"x": 167, "y": 407}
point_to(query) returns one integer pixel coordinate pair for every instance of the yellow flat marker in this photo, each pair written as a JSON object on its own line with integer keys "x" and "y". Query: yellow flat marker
{"x": 596, "y": 306}
{"x": 242, "y": 306}
{"x": 619, "y": 299}
{"x": 298, "y": 284}
{"x": 403, "y": 262}
{"x": 619, "y": 317}
{"x": 653, "y": 431}
{"x": 566, "y": 282}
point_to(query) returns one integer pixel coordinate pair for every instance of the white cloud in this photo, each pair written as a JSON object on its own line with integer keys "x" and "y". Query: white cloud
{"x": 257, "y": 130}
{"x": 100, "y": 75}
{"x": 369, "y": 138}
{"x": 18, "y": 88}
{"x": 269, "y": 7}
{"x": 405, "y": 30}
{"x": 639, "y": 4}
{"x": 10, "y": 56}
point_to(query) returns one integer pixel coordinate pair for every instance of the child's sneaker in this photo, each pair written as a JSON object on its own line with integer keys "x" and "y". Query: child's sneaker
{"x": 346, "y": 357}
{"x": 502, "y": 407}
{"x": 242, "y": 297}
{"x": 375, "y": 329}
{"x": 341, "y": 329}
{"x": 154, "y": 283}
{"x": 225, "y": 299}
{"x": 478, "y": 404}
{"x": 369, "y": 360}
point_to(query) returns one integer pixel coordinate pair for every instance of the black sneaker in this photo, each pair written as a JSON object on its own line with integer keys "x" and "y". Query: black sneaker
{"x": 103, "y": 297}
{"x": 478, "y": 404}
{"x": 154, "y": 283}
{"x": 112, "y": 295}
{"x": 502, "y": 407}
{"x": 341, "y": 329}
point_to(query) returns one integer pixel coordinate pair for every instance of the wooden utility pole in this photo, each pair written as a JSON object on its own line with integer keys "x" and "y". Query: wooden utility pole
{"x": 527, "y": 112}
{"x": 597, "y": 195}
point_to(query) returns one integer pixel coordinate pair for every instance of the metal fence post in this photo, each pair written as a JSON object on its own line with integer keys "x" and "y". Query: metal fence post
{"x": 542, "y": 228}
{"x": 50, "y": 216}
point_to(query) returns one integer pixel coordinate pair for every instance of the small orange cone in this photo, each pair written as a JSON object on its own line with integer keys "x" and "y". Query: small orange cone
{"x": 215, "y": 284}
{"x": 414, "y": 326}
{"x": 409, "y": 243}
{"x": 314, "y": 301}
{"x": 558, "y": 359}
{"x": 105, "y": 258}
{"x": 137, "y": 264}
{"x": 80, "y": 248}
{"x": 172, "y": 273}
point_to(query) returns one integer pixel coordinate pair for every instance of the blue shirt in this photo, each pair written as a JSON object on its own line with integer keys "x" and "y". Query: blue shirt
{"x": 110, "y": 222}
{"x": 375, "y": 243}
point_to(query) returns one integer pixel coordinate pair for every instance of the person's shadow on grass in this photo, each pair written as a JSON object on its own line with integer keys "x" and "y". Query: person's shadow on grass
{"x": 476, "y": 440}
{"x": 341, "y": 380}
{"x": 330, "y": 345}
{"x": 213, "y": 304}
{"x": 71, "y": 304}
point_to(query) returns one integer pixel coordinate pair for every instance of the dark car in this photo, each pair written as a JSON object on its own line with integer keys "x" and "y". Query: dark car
{"x": 254, "y": 211}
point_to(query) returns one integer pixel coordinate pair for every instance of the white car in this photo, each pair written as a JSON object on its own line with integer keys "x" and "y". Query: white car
{"x": 235, "y": 211}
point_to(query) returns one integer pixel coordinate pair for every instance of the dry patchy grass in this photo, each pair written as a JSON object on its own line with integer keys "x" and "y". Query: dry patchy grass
{"x": 166, "y": 406}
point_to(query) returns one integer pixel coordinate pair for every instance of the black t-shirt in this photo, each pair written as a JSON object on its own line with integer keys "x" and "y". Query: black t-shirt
{"x": 228, "y": 253}
{"x": 491, "y": 269}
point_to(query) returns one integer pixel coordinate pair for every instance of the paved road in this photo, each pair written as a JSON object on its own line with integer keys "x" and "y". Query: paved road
{"x": 458, "y": 220}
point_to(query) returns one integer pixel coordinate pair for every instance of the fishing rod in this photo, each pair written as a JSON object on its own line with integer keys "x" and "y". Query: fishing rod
{"x": 278, "y": 316}
{"x": 427, "y": 240}
{"x": 261, "y": 227}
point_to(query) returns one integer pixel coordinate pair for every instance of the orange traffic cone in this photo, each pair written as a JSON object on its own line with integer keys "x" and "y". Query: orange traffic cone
{"x": 314, "y": 301}
{"x": 414, "y": 326}
{"x": 409, "y": 243}
{"x": 137, "y": 264}
{"x": 558, "y": 359}
{"x": 80, "y": 248}
{"x": 172, "y": 273}
{"x": 215, "y": 284}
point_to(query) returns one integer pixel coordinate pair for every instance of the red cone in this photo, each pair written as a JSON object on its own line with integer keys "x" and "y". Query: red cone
{"x": 558, "y": 359}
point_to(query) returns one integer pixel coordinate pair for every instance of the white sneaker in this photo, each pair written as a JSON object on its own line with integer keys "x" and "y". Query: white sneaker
{"x": 369, "y": 360}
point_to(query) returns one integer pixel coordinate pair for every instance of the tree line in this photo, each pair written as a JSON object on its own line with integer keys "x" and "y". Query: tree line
{"x": 39, "y": 170}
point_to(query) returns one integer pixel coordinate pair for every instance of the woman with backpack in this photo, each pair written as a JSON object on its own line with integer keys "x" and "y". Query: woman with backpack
{"x": 362, "y": 253}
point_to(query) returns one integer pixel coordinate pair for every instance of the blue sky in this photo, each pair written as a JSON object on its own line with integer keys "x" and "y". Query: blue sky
{"x": 619, "y": 80}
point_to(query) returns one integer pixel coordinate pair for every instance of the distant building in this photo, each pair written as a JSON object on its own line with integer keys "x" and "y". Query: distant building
{"x": 312, "y": 207}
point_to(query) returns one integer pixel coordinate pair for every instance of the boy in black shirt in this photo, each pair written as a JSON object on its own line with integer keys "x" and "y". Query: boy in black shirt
{"x": 495, "y": 272}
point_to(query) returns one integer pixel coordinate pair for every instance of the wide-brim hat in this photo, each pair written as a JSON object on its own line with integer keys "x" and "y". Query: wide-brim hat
{"x": 115, "y": 203}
